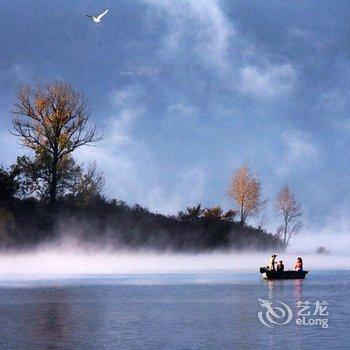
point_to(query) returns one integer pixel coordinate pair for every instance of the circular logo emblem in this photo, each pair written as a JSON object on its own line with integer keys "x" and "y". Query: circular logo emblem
{"x": 274, "y": 315}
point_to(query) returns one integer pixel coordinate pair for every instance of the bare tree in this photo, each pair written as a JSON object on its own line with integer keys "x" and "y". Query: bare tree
{"x": 52, "y": 121}
{"x": 290, "y": 209}
{"x": 245, "y": 190}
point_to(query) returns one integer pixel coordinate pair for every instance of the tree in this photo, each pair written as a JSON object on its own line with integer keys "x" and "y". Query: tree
{"x": 34, "y": 175}
{"x": 215, "y": 213}
{"x": 290, "y": 209}
{"x": 52, "y": 121}
{"x": 230, "y": 215}
{"x": 8, "y": 185}
{"x": 88, "y": 186}
{"x": 191, "y": 214}
{"x": 245, "y": 190}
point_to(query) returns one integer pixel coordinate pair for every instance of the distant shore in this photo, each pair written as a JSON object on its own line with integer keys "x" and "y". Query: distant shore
{"x": 116, "y": 225}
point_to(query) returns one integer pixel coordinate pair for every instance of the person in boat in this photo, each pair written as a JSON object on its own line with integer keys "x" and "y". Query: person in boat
{"x": 280, "y": 266}
{"x": 272, "y": 262}
{"x": 299, "y": 264}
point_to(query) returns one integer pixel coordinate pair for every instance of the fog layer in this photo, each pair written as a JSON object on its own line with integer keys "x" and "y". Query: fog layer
{"x": 71, "y": 258}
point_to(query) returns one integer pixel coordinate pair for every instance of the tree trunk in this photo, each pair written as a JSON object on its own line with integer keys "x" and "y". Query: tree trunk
{"x": 285, "y": 231}
{"x": 54, "y": 180}
{"x": 242, "y": 215}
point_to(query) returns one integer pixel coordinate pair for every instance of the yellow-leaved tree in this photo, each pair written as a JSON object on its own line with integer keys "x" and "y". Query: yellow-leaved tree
{"x": 52, "y": 121}
{"x": 245, "y": 190}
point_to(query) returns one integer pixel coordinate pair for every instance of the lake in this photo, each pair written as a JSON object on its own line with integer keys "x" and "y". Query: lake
{"x": 216, "y": 310}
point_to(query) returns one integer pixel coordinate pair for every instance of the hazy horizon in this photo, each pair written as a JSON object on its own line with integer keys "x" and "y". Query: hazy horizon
{"x": 69, "y": 257}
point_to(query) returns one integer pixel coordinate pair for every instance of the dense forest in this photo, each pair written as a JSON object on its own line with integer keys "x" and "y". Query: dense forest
{"x": 48, "y": 196}
{"x": 114, "y": 224}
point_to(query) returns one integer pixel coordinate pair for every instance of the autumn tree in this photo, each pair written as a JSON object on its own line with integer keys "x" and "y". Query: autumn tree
{"x": 245, "y": 190}
{"x": 52, "y": 121}
{"x": 290, "y": 210}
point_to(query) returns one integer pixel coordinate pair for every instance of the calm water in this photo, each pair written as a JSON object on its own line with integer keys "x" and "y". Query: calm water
{"x": 199, "y": 311}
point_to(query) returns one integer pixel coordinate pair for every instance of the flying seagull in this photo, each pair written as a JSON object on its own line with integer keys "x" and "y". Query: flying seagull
{"x": 98, "y": 18}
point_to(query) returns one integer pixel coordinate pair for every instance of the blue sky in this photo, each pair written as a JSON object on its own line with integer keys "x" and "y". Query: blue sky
{"x": 185, "y": 91}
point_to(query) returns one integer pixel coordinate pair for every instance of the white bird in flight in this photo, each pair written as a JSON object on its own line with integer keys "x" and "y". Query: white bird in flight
{"x": 97, "y": 19}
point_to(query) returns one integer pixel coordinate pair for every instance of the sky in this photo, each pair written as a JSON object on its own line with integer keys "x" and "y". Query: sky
{"x": 184, "y": 92}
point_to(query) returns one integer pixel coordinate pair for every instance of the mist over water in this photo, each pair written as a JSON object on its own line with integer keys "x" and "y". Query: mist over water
{"x": 68, "y": 258}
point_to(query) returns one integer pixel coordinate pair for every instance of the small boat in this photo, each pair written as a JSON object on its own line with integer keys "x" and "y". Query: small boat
{"x": 282, "y": 275}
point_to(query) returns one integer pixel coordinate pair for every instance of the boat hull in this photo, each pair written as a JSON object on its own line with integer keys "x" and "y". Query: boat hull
{"x": 282, "y": 275}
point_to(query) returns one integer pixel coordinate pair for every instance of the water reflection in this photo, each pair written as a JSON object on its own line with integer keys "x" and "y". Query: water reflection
{"x": 298, "y": 284}
{"x": 270, "y": 286}
{"x": 278, "y": 290}
{"x": 52, "y": 318}
{"x": 275, "y": 287}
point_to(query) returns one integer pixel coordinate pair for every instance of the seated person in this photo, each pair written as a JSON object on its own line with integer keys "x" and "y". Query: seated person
{"x": 280, "y": 266}
{"x": 298, "y": 265}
